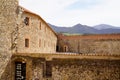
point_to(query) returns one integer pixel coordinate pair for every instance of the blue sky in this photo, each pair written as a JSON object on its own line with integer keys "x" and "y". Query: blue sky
{"x": 84, "y": 4}
{"x": 71, "y": 12}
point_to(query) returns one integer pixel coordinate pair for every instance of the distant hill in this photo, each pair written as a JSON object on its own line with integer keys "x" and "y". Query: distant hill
{"x": 105, "y": 26}
{"x": 84, "y": 29}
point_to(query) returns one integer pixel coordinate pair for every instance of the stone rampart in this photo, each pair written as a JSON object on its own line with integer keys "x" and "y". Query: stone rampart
{"x": 98, "y": 44}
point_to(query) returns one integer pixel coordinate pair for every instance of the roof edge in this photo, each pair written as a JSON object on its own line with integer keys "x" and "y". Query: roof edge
{"x": 28, "y": 11}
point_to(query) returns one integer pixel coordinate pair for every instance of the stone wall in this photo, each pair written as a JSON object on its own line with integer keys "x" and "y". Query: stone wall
{"x": 100, "y": 44}
{"x": 9, "y": 73}
{"x": 65, "y": 69}
{"x": 86, "y": 70}
{"x": 8, "y": 24}
{"x": 38, "y": 66}
{"x": 42, "y": 39}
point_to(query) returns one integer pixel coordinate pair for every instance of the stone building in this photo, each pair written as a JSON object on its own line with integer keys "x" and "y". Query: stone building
{"x": 35, "y": 35}
{"x": 28, "y": 50}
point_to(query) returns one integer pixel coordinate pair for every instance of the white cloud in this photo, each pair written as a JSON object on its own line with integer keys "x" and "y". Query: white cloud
{"x": 55, "y": 12}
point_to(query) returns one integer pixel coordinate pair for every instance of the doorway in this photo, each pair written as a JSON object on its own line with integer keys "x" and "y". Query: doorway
{"x": 65, "y": 48}
{"x": 20, "y": 71}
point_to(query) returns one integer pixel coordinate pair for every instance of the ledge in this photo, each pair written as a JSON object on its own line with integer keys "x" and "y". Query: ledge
{"x": 50, "y": 56}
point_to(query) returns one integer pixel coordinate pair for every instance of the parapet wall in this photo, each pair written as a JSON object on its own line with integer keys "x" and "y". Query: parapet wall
{"x": 100, "y": 44}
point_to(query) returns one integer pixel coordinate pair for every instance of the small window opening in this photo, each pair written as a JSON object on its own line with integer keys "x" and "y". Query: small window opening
{"x": 66, "y": 48}
{"x": 57, "y": 48}
{"x": 26, "y": 20}
{"x": 26, "y": 42}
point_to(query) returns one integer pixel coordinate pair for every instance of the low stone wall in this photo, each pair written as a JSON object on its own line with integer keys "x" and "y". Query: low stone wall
{"x": 65, "y": 69}
{"x": 86, "y": 70}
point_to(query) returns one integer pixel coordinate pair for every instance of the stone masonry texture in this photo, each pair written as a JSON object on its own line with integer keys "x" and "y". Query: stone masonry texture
{"x": 86, "y": 70}
{"x": 8, "y": 24}
{"x": 67, "y": 69}
{"x": 40, "y": 57}
{"x": 97, "y": 44}
{"x": 41, "y": 38}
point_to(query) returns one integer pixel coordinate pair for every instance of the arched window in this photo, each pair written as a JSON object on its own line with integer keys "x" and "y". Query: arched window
{"x": 65, "y": 48}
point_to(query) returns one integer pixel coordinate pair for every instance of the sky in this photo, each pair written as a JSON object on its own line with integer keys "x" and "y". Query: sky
{"x": 71, "y": 12}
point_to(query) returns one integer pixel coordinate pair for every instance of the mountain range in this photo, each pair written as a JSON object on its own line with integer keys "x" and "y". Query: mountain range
{"x": 84, "y": 29}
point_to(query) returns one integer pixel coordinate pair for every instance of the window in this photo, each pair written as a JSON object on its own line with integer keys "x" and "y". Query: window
{"x": 26, "y": 42}
{"x": 26, "y": 20}
{"x": 57, "y": 48}
{"x": 48, "y": 69}
{"x": 39, "y": 42}
{"x": 40, "y": 26}
{"x": 65, "y": 48}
